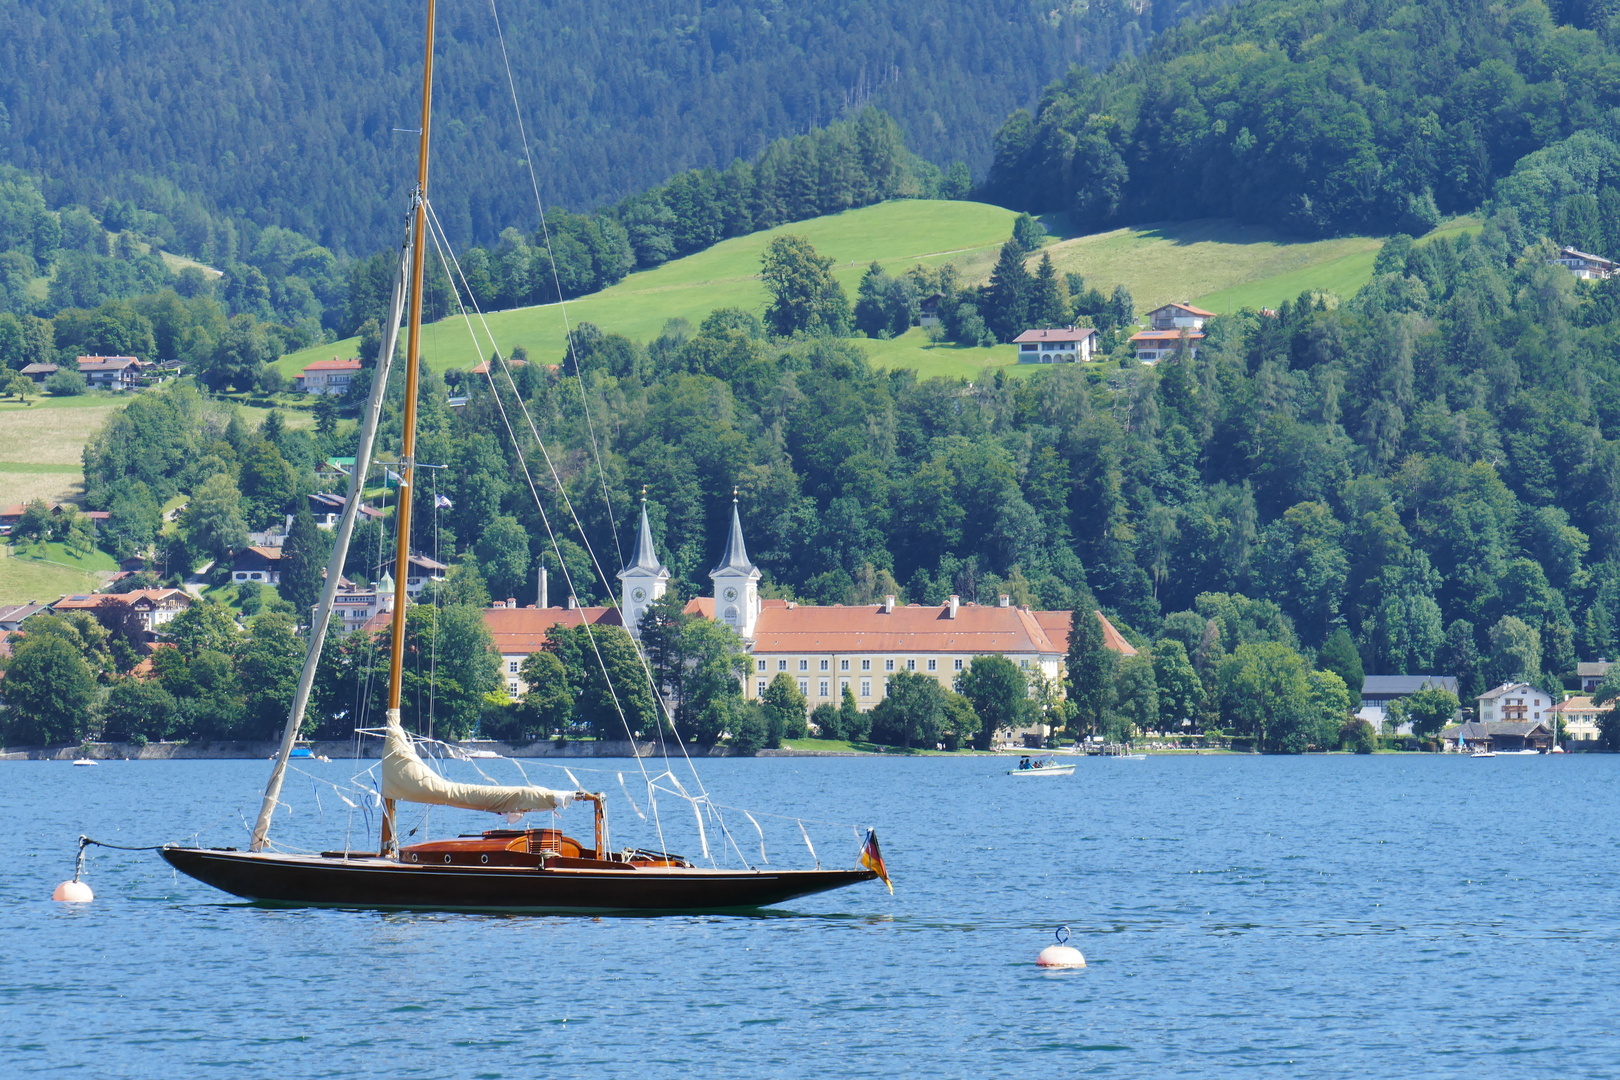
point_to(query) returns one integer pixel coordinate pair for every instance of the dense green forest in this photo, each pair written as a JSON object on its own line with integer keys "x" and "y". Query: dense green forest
{"x": 1419, "y": 478}
{"x": 225, "y": 116}
{"x": 1320, "y": 116}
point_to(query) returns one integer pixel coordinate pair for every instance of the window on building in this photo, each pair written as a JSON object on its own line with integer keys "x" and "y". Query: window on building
{"x": 804, "y": 665}
{"x": 781, "y": 665}
{"x": 761, "y": 691}
{"x": 866, "y": 665}
{"x": 761, "y": 666}
{"x": 933, "y": 665}
{"x": 843, "y": 684}
{"x": 1023, "y": 663}
{"x": 804, "y": 687}
{"x": 824, "y": 665}
{"x": 511, "y": 687}
{"x": 824, "y": 688}
{"x": 958, "y": 663}
{"x": 866, "y": 688}
{"x": 843, "y": 665}
{"x": 888, "y": 665}
{"x": 911, "y": 665}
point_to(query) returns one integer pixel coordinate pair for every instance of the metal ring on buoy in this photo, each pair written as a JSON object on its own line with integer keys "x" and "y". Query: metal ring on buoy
{"x": 447, "y": 858}
{"x": 483, "y": 859}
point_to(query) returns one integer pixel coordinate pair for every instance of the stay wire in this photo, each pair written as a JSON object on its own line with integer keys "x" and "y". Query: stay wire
{"x": 442, "y": 243}
{"x": 556, "y": 281}
{"x": 545, "y": 519}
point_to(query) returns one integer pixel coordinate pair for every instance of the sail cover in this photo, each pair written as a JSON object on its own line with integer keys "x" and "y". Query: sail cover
{"x": 406, "y": 778}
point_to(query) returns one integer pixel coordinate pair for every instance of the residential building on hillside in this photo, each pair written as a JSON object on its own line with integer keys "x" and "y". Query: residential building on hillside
{"x": 1166, "y": 329}
{"x": 110, "y": 372}
{"x": 1580, "y": 718}
{"x": 257, "y": 563}
{"x": 1377, "y": 691}
{"x": 1592, "y": 673}
{"x": 1067, "y": 346}
{"x": 12, "y": 615}
{"x": 327, "y": 376}
{"x": 1513, "y": 702}
{"x": 153, "y": 607}
{"x": 356, "y": 606}
{"x": 39, "y": 372}
{"x": 1583, "y": 265}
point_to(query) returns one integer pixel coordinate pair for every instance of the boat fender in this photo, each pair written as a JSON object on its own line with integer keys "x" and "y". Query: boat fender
{"x": 1061, "y": 955}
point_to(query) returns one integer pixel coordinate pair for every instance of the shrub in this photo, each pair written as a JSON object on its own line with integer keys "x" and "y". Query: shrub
{"x": 1358, "y": 735}
{"x": 66, "y": 383}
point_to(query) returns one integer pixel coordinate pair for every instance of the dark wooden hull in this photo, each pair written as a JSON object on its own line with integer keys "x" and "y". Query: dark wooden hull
{"x": 371, "y": 882}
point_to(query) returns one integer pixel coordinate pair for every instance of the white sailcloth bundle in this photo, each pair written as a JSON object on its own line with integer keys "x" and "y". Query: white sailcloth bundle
{"x": 406, "y": 778}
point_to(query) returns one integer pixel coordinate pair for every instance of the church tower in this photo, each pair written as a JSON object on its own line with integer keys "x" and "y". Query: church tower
{"x": 736, "y": 582}
{"x": 644, "y": 579}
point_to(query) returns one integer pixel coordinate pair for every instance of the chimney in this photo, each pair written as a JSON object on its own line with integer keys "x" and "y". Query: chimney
{"x": 543, "y": 597}
{"x": 1005, "y": 600}
{"x": 511, "y": 601}
{"x": 953, "y": 603}
{"x": 888, "y": 605}
{"x": 573, "y": 603}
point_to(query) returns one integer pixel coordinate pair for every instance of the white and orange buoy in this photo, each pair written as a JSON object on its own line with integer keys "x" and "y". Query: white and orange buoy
{"x": 73, "y": 892}
{"x": 1061, "y": 955}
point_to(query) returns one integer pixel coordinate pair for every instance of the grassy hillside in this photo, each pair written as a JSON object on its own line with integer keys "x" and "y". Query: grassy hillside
{"x": 1219, "y": 264}
{"x": 43, "y": 574}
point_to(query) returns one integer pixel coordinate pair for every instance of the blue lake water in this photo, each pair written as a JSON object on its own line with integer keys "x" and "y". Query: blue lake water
{"x": 1322, "y": 917}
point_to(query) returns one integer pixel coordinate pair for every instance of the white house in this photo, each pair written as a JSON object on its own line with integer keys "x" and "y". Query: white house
{"x": 1514, "y": 703}
{"x": 1583, "y": 265}
{"x": 1066, "y": 346}
{"x": 329, "y": 376}
{"x": 1377, "y": 691}
{"x": 1167, "y": 325}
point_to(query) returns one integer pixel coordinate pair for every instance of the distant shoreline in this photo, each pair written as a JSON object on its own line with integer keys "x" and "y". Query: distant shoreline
{"x": 255, "y": 750}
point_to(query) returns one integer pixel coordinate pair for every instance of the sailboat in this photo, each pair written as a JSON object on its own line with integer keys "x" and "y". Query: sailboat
{"x": 497, "y": 869}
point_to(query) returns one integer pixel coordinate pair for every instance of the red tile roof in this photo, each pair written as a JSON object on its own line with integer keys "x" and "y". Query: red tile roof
{"x": 523, "y": 630}
{"x": 913, "y": 628}
{"x": 1169, "y": 336}
{"x": 333, "y": 364}
{"x": 1189, "y": 309}
{"x": 1056, "y": 625}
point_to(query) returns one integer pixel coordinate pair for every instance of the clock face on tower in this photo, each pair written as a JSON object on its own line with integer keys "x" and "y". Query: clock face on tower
{"x": 639, "y": 594}
{"x": 731, "y": 594}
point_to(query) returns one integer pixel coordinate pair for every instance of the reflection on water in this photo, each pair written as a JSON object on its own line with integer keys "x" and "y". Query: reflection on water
{"x": 1341, "y": 916}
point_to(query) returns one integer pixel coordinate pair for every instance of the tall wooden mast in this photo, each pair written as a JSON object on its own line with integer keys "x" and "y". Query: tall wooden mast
{"x": 413, "y": 344}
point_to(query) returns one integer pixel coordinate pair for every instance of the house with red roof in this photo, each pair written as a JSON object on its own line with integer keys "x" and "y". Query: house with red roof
{"x": 1168, "y": 327}
{"x": 328, "y": 376}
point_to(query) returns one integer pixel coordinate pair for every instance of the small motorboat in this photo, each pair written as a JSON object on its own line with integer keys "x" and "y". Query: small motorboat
{"x": 1482, "y": 753}
{"x": 301, "y": 751}
{"x": 83, "y": 761}
{"x": 1040, "y": 766}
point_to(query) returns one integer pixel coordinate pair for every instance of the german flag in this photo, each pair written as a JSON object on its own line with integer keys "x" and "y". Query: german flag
{"x": 872, "y": 859}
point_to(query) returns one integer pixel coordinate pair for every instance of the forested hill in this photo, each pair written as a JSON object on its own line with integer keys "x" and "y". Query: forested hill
{"x": 286, "y": 115}
{"x": 1319, "y": 115}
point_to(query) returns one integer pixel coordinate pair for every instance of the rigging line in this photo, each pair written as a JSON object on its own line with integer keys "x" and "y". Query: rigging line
{"x": 442, "y": 243}
{"x": 545, "y": 520}
{"x": 437, "y": 232}
{"x": 545, "y": 231}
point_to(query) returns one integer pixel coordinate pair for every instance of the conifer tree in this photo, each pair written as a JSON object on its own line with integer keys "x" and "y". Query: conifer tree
{"x": 1007, "y": 298}
{"x": 301, "y": 559}
{"x": 1048, "y": 307}
{"x": 1091, "y": 665}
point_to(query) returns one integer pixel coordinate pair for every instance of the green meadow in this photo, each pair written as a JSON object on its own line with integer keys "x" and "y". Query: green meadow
{"x": 1217, "y": 264}
{"x": 44, "y": 573}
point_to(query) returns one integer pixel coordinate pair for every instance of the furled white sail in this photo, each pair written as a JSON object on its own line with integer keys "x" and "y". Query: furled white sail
{"x": 406, "y": 778}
